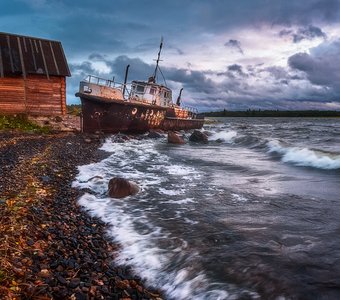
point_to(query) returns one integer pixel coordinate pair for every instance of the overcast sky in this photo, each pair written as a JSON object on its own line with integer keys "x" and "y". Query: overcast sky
{"x": 257, "y": 54}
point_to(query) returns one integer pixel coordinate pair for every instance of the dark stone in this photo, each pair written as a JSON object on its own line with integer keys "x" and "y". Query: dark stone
{"x": 60, "y": 293}
{"x": 173, "y": 138}
{"x": 198, "y": 137}
{"x": 61, "y": 279}
{"x": 208, "y": 133}
{"x": 74, "y": 283}
{"x": 30, "y": 243}
{"x": 120, "y": 188}
{"x": 45, "y": 179}
{"x": 81, "y": 296}
{"x": 154, "y": 135}
{"x": 121, "y": 138}
{"x": 58, "y": 119}
{"x": 36, "y": 210}
{"x": 54, "y": 264}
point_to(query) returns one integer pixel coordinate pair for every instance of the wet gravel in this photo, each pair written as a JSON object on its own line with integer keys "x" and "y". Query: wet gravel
{"x": 63, "y": 251}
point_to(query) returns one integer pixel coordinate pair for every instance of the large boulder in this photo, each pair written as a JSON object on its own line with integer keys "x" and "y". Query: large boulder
{"x": 173, "y": 138}
{"x": 198, "y": 137}
{"x": 120, "y": 188}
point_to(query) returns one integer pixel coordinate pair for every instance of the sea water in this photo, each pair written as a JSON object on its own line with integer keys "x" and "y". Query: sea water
{"x": 253, "y": 214}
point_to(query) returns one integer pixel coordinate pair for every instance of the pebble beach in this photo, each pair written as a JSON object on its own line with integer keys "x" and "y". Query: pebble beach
{"x": 50, "y": 248}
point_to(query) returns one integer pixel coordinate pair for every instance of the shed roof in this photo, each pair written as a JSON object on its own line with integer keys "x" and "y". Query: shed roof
{"x": 29, "y": 55}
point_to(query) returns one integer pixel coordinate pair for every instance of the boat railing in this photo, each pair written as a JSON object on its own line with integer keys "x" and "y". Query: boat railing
{"x": 109, "y": 83}
{"x": 103, "y": 82}
{"x": 190, "y": 109}
{"x": 186, "y": 111}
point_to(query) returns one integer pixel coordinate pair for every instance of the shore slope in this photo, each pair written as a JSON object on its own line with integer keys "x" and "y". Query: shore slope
{"x": 50, "y": 247}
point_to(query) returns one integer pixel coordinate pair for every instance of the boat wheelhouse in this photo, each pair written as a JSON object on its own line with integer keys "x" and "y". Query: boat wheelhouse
{"x": 150, "y": 92}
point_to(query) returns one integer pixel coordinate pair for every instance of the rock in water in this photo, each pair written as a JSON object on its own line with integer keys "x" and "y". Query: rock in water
{"x": 173, "y": 138}
{"x": 199, "y": 137}
{"x": 120, "y": 188}
{"x": 154, "y": 135}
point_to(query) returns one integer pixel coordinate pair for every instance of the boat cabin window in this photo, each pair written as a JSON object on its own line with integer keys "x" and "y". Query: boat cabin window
{"x": 152, "y": 91}
{"x": 140, "y": 88}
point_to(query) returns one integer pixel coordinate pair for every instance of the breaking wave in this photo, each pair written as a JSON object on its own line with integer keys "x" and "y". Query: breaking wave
{"x": 223, "y": 136}
{"x": 305, "y": 157}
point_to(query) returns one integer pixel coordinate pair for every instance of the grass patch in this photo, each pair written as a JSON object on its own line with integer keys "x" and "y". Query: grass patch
{"x": 21, "y": 122}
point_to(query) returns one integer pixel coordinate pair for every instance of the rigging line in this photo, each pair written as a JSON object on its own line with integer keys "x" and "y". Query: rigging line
{"x": 162, "y": 75}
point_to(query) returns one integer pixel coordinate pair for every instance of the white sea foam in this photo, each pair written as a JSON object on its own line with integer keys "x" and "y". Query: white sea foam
{"x": 181, "y": 201}
{"x": 225, "y": 136}
{"x": 305, "y": 157}
{"x": 180, "y": 170}
{"x": 171, "y": 192}
{"x": 141, "y": 251}
{"x": 239, "y": 198}
{"x": 92, "y": 176}
{"x": 192, "y": 222}
{"x": 95, "y": 204}
{"x": 139, "y": 238}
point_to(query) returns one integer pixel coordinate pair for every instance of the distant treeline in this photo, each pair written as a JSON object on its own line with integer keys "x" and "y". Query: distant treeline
{"x": 74, "y": 109}
{"x": 273, "y": 113}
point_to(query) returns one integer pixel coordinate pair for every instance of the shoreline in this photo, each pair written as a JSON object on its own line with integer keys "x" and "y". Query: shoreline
{"x": 51, "y": 248}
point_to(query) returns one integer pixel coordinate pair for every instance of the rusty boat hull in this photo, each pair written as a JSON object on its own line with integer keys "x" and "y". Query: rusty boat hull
{"x": 113, "y": 116}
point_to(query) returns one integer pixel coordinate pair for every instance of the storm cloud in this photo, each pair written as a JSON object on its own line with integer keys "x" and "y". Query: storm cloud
{"x": 225, "y": 54}
{"x": 310, "y": 32}
{"x": 234, "y": 44}
{"x": 321, "y": 66}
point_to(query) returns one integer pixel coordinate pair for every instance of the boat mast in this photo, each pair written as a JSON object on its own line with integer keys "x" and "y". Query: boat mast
{"x": 158, "y": 59}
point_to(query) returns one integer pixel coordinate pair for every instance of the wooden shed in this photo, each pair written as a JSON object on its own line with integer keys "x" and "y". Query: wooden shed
{"x": 32, "y": 76}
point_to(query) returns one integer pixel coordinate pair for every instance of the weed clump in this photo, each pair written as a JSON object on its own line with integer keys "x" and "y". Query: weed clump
{"x": 21, "y": 122}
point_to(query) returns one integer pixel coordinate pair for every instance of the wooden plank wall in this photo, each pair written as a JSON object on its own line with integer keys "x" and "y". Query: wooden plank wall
{"x": 12, "y": 96}
{"x": 36, "y": 95}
